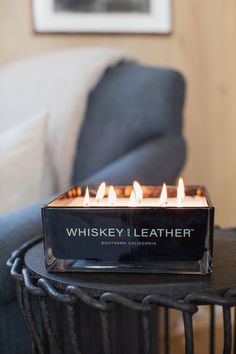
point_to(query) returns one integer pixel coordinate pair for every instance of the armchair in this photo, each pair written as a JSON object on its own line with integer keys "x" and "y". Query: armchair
{"x": 132, "y": 130}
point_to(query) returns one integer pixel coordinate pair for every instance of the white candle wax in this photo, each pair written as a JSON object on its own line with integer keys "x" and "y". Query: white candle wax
{"x": 189, "y": 201}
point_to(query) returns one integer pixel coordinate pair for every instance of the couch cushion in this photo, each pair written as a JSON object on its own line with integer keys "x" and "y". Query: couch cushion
{"x": 22, "y": 162}
{"x": 131, "y": 104}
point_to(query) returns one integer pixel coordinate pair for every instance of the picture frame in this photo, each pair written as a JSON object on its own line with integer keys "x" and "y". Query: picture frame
{"x": 102, "y": 16}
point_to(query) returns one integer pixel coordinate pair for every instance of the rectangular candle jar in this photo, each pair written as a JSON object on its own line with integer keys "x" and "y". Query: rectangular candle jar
{"x": 148, "y": 229}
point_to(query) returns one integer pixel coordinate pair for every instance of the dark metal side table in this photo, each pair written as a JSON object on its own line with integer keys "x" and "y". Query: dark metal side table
{"x": 94, "y": 313}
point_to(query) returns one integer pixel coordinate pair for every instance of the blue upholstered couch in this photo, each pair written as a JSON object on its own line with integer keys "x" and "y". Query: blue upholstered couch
{"x": 134, "y": 121}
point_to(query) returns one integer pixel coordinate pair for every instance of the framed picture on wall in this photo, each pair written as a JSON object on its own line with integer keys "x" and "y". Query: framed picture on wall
{"x": 102, "y": 16}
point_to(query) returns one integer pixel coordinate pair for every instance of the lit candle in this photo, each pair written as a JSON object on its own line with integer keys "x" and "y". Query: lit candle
{"x": 136, "y": 198}
{"x": 165, "y": 229}
{"x": 132, "y": 200}
{"x": 180, "y": 192}
{"x": 138, "y": 191}
{"x": 87, "y": 198}
{"x": 112, "y": 196}
{"x": 163, "y": 197}
{"x": 101, "y": 192}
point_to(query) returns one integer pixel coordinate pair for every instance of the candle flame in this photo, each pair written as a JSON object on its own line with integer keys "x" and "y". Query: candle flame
{"x": 101, "y": 192}
{"x": 132, "y": 199}
{"x": 138, "y": 191}
{"x": 87, "y": 198}
{"x": 163, "y": 197}
{"x": 180, "y": 192}
{"x": 69, "y": 194}
{"x": 112, "y": 196}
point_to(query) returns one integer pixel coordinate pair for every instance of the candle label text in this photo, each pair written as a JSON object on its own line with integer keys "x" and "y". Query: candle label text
{"x": 114, "y": 232}
{"x": 126, "y": 235}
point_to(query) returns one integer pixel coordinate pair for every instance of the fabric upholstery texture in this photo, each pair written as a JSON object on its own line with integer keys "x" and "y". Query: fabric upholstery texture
{"x": 131, "y": 105}
{"x": 16, "y": 228}
{"x": 151, "y": 163}
{"x": 132, "y": 130}
{"x": 13, "y": 334}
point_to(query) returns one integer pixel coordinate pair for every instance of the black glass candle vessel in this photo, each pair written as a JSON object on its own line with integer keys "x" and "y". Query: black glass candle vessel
{"x": 121, "y": 232}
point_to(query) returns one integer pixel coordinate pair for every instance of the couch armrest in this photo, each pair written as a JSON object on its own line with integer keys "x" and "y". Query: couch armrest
{"x": 152, "y": 163}
{"x": 16, "y": 227}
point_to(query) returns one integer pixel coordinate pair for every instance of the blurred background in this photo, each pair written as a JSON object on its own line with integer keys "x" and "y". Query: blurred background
{"x": 202, "y": 45}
